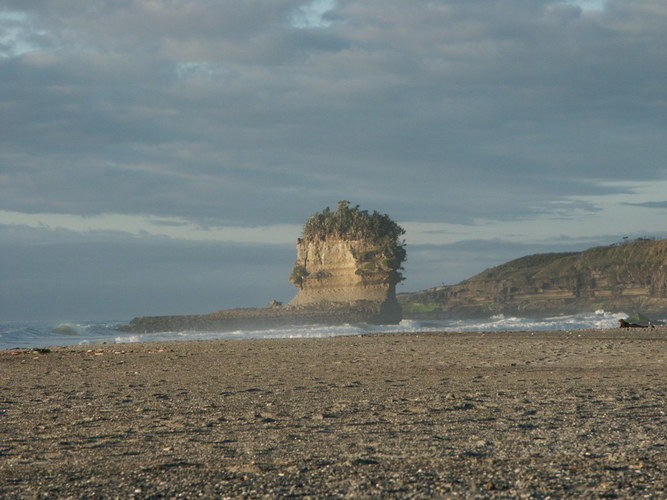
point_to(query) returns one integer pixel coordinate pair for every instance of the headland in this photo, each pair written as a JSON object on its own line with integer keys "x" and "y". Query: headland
{"x": 630, "y": 276}
{"x": 347, "y": 266}
{"x": 349, "y": 263}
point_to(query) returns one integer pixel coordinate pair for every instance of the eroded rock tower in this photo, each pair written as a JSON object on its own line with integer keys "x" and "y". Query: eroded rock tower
{"x": 350, "y": 257}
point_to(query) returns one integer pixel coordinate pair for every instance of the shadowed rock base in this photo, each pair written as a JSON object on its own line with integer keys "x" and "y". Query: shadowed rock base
{"x": 387, "y": 312}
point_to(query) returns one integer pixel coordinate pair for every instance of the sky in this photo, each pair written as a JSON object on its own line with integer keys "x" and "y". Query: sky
{"x": 161, "y": 156}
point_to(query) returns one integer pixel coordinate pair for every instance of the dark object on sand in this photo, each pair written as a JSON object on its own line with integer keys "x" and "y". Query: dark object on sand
{"x": 624, "y": 324}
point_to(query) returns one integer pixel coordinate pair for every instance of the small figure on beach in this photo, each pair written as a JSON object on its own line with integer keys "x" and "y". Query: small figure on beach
{"x": 625, "y": 324}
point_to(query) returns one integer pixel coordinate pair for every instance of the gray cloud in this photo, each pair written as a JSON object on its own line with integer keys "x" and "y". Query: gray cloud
{"x": 232, "y": 113}
{"x": 650, "y": 204}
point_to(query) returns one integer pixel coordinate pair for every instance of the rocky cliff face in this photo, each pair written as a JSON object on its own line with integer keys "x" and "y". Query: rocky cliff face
{"x": 341, "y": 271}
{"x": 629, "y": 277}
{"x": 334, "y": 273}
{"x": 347, "y": 266}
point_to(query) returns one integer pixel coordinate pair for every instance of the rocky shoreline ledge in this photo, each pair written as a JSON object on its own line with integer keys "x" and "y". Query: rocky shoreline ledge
{"x": 568, "y": 414}
{"x": 347, "y": 266}
{"x": 361, "y": 311}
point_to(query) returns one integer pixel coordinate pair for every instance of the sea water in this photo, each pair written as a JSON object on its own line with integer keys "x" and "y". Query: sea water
{"x": 40, "y": 334}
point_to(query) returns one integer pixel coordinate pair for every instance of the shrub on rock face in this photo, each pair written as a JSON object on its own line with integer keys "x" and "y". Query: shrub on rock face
{"x": 352, "y": 224}
{"x": 298, "y": 274}
{"x": 382, "y": 234}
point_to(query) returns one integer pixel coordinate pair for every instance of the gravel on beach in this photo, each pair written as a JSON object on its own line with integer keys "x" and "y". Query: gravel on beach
{"x": 566, "y": 414}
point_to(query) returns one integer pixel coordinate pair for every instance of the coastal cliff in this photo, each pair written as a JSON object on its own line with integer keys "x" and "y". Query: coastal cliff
{"x": 347, "y": 267}
{"x": 630, "y": 276}
{"x": 333, "y": 272}
{"x": 350, "y": 257}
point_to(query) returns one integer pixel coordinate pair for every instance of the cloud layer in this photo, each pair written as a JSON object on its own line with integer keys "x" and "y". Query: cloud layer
{"x": 503, "y": 114}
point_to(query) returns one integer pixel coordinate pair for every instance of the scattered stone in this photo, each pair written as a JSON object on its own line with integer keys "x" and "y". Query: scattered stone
{"x": 301, "y": 418}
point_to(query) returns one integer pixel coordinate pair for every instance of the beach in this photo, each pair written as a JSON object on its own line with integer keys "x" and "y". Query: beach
{"x": 556, "y": 414}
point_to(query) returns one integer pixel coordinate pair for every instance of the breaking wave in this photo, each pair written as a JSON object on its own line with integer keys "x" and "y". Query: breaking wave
{"x": 44, "y": 334}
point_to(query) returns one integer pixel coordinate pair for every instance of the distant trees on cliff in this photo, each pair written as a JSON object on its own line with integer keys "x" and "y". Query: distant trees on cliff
{"x": 350, "y": 223}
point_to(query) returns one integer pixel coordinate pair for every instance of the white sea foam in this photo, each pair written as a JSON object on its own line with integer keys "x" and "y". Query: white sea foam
{"x": 43, "y": 334}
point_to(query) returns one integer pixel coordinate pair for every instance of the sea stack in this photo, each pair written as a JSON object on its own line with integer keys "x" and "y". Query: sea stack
{"x": 351, "y": 258}
{"x": 347, "y": 267}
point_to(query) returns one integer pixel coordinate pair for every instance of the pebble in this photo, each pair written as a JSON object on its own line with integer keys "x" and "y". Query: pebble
{"x": 184, "y": 420}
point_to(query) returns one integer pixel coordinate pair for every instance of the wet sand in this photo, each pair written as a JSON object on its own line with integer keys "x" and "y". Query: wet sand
{"x": 577, "y": 414}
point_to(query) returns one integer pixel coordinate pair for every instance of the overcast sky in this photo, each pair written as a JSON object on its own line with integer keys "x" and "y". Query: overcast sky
{"x": 160, "y": 156}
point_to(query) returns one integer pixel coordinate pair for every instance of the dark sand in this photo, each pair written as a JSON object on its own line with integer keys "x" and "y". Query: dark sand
{"x": 576, "y": 414}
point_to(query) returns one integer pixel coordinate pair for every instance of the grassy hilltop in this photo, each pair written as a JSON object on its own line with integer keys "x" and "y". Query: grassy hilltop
{"x": 628, "y": 276}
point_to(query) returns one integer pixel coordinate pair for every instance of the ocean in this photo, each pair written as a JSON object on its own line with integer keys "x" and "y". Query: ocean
{"x": 41, "y": 334}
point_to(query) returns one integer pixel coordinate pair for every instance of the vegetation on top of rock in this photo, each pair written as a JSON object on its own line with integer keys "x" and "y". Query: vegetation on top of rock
{"x": 352, "y": 224}
{"x": 624, "y": 263}
{"x": 385, "y": 252}
{"x": 525, "y": 268}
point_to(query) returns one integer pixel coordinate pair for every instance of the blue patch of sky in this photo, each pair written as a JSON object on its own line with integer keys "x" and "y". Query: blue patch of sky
{"x": 313, "y": 14}
{"x": 198, "y": 70}
{"x": 587, "y": 4}
{"x": 15, "y": 33}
